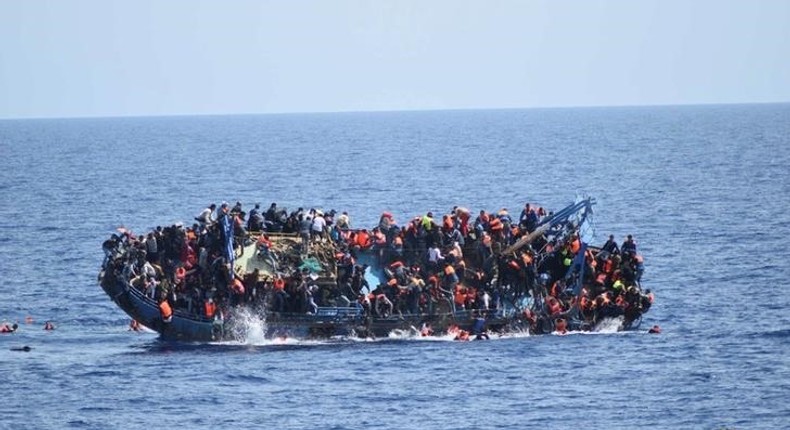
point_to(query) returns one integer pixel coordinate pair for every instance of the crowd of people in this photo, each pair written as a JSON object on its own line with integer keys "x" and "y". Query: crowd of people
{"x": 429, "y": 264}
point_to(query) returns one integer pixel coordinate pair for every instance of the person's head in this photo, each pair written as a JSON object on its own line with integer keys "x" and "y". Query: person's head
{"x": 611, "y": 237}
{"x": 212, "y": 206}
{"x": 630, "y": 237}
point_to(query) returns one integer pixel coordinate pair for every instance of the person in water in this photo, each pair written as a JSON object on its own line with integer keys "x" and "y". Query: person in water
{"x": 49, "y": 326}
{"x": 5, "y": 328}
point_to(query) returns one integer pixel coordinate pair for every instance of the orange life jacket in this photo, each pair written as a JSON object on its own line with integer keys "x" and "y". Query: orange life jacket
{"x": 363, "y": 239}
{"x": 165, "y": 311}
{"x": 210, "y": 309}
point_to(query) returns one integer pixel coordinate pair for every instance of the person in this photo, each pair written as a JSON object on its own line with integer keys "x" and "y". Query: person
{"x": 611, "y": 246}
{"x": 655, "y": 330}
{"x": 629, "y": 246}
{"x": 479, "y": 327}
{"x": 134, "y": 325}
{"x": 255, "y": 220}
{"x": 343, "y": 221}
{"x": 49, "y": 326}
{"x": 305, "y": 226}
{"x": 318, "y": 226}
{"x": 206, "y": 216}
{"x": 271, "y": 217}
{"x": 5, "y": 328}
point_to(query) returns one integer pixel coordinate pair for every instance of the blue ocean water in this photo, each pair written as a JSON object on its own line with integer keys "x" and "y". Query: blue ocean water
{"x": 704, "y": 189}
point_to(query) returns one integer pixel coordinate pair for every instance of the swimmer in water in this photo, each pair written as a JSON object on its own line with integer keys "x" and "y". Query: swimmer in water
{"x": 5, "y": 328}
{"x": 49, "y": 326}
{"x": 655, "y": 330}
{"x": 24, "y": 348}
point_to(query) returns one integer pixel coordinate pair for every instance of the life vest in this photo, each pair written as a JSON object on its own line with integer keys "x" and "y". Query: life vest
{"x": 427, "y": 223}
{"x": 279, "y": 284}
{"x": 264, "y": 242}
{"x": 363, "y": 239}
{"x": 514, "y": 265}
{"x": 165, "y": 311}
{"x": 496, "y": 225}
{"x": 210, "y": 309}
{"x": 576, "y": 246}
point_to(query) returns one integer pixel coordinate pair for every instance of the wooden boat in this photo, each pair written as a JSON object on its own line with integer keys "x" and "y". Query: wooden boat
{"x": 346, "y": 319}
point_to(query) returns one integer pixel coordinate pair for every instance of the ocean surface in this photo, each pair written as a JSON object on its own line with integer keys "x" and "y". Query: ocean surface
{"x": 705, "y": 190}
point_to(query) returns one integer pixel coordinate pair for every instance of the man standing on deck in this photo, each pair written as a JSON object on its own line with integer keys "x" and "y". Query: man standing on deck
{"x": 206, "y": 216}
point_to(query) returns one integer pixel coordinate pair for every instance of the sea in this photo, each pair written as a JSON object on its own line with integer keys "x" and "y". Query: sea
{"x": 704, "y": 190}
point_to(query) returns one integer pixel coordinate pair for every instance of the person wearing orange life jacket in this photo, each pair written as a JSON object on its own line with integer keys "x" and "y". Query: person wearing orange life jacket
{"x": 363, "y": 240}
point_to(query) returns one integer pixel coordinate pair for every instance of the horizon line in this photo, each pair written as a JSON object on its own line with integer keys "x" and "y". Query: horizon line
{"x": 407, "y": 110}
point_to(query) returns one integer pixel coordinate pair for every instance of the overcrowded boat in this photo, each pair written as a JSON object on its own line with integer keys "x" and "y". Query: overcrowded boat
{"x": 309, "y": 273}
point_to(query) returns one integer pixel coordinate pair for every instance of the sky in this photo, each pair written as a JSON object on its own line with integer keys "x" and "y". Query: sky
{"x": 66, "y": 58}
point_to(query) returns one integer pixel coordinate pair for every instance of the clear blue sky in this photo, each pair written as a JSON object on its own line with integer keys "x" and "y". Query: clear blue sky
{"x": 106, "y": 58}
